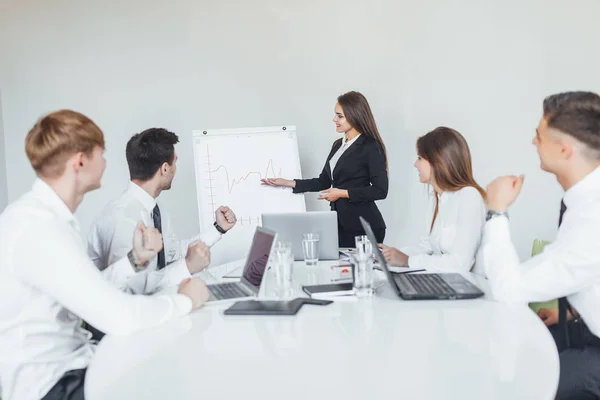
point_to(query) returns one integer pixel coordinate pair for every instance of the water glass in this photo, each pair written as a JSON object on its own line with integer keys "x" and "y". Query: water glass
{"x": 362, "y": 261}
{"x": 310, "y": 248}
{"x": 363, "y": 246}
{"x": 282, "y": 249}
{"x": 283, "y": 263}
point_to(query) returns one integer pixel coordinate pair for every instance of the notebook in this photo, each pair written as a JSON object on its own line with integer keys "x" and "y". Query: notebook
{"x": 329, "y": 290}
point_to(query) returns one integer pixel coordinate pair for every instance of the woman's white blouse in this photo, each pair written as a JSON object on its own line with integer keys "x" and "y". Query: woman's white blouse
{"x": 453, "y": 243}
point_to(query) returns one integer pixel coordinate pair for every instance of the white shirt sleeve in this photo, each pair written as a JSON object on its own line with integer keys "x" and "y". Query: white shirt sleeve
{"x": 119, "y": 273}
{"x": 176, "y": 249}
{"x": 150, "y": 282}
{"x": 120, "y": 228}
{"x": 563, "y": 268}
{"x": 422, "y": 247}
{"x": 459, "y": 256}
{"x": 123, "y": 276}
{"x": 53, "y": 260}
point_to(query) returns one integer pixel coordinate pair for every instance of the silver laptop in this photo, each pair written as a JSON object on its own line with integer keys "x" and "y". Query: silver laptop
{"x": 254, "y": 270}
{"x": 291, "y": 226}
{"x": 446, "y": 286}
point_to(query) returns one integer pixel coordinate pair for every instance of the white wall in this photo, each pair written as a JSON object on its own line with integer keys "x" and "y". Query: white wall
{"x": 3, "y": 183}
{"x": 482, "y": 67}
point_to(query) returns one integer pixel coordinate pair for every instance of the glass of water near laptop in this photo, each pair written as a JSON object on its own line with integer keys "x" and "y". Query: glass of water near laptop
{"x": 362, "y": 260}
{"x": 310, "y": 248}
{"x": 283, "y": 264}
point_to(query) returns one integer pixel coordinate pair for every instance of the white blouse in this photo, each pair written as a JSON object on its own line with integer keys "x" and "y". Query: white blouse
{"x": 453, "y": 243}
{"x": 338, "y": 154}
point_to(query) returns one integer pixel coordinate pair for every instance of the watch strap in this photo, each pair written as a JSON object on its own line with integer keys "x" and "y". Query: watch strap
{"x": 218, "y": 227}
{"x": 493, "y": 214}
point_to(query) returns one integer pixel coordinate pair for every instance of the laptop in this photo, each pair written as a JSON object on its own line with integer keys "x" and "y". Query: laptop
{"x": 291, "y": 226}
{"x": 252, "y": 275}
{"x": 446, "y": 286}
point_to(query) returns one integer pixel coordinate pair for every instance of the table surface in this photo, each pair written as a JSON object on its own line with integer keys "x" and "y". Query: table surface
{"x": 351, "y": 349}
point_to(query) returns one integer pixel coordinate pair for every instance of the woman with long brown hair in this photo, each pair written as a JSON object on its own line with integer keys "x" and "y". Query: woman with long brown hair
{"x": 458, "y": 209}
{"x": 355, "y": 174}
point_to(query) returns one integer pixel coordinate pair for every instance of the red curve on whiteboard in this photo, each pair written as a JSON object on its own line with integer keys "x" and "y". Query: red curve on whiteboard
{"x": 232, "y": 182}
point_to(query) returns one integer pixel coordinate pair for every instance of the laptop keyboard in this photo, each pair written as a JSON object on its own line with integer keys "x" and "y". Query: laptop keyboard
{"x": 429, "y": 283}
{"x": 223, "y": 291}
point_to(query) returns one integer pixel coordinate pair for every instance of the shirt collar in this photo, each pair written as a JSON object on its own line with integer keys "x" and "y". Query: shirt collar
{"x": 350, "y": 141}
{"x": 140, "y": 194}
{"x": 443, "y": 197}
{"x": 52, "y": 200}
{"x": 582, "y": 191}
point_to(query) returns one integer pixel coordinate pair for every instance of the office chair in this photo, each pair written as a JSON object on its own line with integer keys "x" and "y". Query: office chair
{"x": 538, "y": 247}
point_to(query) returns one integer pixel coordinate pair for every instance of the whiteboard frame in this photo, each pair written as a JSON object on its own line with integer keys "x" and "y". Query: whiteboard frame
{"x": 242, "y": 131}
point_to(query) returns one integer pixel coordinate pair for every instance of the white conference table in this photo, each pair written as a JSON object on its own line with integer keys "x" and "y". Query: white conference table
{"x": 376, "y": 348}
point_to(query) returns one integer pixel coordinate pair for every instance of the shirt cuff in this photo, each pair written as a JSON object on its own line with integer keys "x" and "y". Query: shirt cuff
{"x": 409, "y": 250}
{"x": 183, "y": 304}
{"x": 119, "y": 272}
{"x": 418, "y": 261}
{"x": 495, "y": 229}
{"x": 176, "y": 272}
{"x": 211, "y": 236}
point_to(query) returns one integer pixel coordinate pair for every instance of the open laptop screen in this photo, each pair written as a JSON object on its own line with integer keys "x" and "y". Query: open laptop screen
{"x": 258, "y": 257}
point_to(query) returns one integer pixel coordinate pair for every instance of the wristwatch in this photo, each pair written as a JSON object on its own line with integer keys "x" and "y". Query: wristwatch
{"x": 493, "y": 214}
{"x": 135, "y": 263}
{"x": 218, "y": 227}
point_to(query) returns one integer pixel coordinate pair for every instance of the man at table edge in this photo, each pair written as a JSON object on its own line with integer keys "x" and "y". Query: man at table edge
{"x": 48, "y": 283}
{"x": 568, "y": 144}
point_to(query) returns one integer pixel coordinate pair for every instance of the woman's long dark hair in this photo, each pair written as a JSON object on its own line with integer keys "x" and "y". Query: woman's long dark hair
{"x": 358, "y": 113}
{"x": 448, "y": 153}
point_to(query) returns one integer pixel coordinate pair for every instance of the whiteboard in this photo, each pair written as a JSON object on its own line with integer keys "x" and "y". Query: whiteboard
{"x": 229, "y": 164}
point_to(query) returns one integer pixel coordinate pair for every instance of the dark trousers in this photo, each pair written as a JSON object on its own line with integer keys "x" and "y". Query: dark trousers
{"x": 346, "y": 238}
{"x": 69, "y": 387}
{"x": 579, "y": 364}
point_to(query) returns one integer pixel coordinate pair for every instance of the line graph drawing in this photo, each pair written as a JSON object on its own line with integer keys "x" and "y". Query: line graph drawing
{"x": 232, "y": 182}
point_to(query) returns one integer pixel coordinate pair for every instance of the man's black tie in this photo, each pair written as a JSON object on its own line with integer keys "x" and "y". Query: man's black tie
{"x": 563, "y": 208}
{"x": 158, "y": 225}
{"x": 563, "y": 304}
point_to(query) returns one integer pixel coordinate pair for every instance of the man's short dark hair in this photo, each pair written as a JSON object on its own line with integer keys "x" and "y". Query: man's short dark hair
{"x": 557, "y": 101}
{"x": 147, "y": 151}
{"x": 576, "y": 114}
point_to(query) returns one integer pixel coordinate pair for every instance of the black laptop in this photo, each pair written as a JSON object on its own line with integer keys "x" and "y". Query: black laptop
{"x": 450, "y": 286}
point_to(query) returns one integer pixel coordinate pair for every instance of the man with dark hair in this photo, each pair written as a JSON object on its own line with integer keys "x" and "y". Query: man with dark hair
{"x": 152, "y": 164}
{"x": 568, "y": 143}
{"x": 147, "y": 151}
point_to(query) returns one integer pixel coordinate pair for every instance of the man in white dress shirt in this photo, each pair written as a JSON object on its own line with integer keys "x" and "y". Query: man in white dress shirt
{"x": 48, "y": 283}
{"x": 568, "y": 143}
{"x": 152, "y": 164}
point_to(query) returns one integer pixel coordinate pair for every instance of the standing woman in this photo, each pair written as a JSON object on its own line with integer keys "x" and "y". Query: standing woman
{"x": 355, "y": 174}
